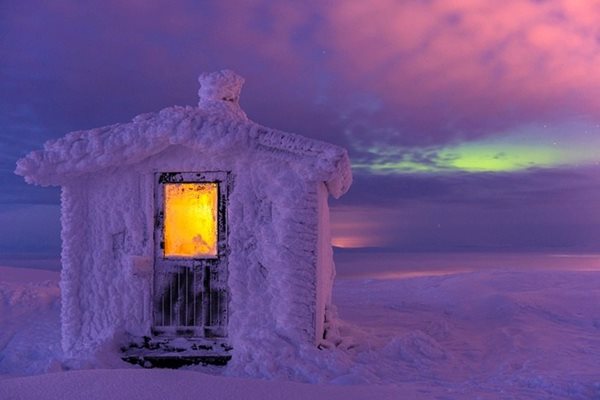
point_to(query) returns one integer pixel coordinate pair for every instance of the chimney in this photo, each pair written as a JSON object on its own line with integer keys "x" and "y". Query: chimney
{"x": 220, "y": 91}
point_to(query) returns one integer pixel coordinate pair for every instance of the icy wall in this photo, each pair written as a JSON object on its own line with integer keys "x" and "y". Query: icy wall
{"x": 273, "y": 235}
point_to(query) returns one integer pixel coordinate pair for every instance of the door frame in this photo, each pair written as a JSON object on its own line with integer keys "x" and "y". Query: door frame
{"x": 208, "y": 275}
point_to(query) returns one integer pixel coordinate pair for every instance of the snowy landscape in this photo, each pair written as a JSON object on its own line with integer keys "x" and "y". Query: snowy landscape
{"x": 401, "y": 204}
{"x": 422, "y": 329}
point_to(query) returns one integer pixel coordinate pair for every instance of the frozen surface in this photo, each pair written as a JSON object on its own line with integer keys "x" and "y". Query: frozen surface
{"x": 497, "y": 334}
{"x": 169, "y": 384}
{"x": 29, "y": 320}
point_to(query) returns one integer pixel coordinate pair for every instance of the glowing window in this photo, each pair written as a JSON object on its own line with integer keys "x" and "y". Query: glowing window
{"x": 190, "y": 219}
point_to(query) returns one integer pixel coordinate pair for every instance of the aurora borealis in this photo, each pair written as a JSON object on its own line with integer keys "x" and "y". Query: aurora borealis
{"x": 472, "y": 125}
{"x": 573, "y": 145}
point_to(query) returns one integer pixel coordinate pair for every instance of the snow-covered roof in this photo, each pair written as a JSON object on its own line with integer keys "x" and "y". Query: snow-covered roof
{"x": 217, "y": 124}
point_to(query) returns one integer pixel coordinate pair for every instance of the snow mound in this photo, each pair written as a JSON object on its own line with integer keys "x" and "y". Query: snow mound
{"x": 167, "y": 384}
{"x": 29, "y": 321}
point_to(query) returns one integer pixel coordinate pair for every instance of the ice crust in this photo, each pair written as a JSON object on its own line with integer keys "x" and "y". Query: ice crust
{"x": 280, "y": 263}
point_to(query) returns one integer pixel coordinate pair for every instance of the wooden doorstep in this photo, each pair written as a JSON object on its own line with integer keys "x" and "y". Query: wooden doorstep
{"x": 160, "y": 352}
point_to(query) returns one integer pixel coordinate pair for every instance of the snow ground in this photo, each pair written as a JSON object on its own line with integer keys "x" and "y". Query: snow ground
{"x": 452, "y": 334}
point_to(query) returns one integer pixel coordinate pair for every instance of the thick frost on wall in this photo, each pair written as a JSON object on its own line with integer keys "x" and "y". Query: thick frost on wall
{"x": 273, "y": 234}
{"x": 101, "y": 295}
{"x": 74, "y": 258}
{"x": 325, "y": 272}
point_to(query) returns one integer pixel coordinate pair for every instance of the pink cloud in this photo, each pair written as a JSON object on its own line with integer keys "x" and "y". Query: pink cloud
{"x": 429, "y": 68}
{"x": 479, "y": 57}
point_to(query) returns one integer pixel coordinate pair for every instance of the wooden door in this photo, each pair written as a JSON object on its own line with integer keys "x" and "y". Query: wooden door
{"x": 190, "y": 263}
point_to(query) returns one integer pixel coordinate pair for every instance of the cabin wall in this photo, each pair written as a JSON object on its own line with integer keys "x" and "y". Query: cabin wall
{"x": 273, "y": 219}
{"x": 75, "y": 262}
{"x": 272, "y": 273}
{"x": 119, "y": 200}
{"x": 325, "y": 265}
{"x": 104, "y": 225}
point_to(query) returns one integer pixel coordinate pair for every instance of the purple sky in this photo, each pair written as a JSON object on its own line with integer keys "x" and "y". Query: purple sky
{"x": 472, "y": 125}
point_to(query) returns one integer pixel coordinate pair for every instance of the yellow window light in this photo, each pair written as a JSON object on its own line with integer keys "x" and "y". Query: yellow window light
{"x": 190, "y": 224}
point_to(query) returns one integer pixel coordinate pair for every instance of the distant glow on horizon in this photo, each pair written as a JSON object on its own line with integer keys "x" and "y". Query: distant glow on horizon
{"x": 354, "y": 240}
{"x": 532, "y": 147}
{"x": 349, "y": 242}
{"x": 358, "y": 227}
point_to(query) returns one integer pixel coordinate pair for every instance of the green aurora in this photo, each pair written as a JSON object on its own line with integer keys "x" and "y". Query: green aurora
{"x": 509, "y": 153}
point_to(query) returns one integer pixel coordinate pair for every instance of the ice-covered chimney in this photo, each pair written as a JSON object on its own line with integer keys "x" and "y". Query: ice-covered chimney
{"x": 220, "y": 92}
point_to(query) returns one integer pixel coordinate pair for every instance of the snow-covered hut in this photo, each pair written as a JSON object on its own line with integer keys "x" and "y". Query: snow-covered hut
{"x": 193, "y": 230}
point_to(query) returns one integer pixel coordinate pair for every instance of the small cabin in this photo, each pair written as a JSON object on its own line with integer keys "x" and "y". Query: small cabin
{"x": 193, "y": 232}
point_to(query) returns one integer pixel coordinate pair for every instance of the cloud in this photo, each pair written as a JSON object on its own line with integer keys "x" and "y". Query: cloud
{"x": 79, "y": 66}
{"x": 401, "y": 73}
{"x": 459, "y": 68}
{"x": 537, "y": 210}
{"x": 575, "y": 186}
{"x": 30, "y": 229}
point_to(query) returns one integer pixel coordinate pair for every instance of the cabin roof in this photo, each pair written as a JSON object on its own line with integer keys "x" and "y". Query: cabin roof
{"x": 216, "y": 124}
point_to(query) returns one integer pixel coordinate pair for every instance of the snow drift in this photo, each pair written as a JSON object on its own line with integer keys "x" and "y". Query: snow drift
{"x": 499, "y": 334}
